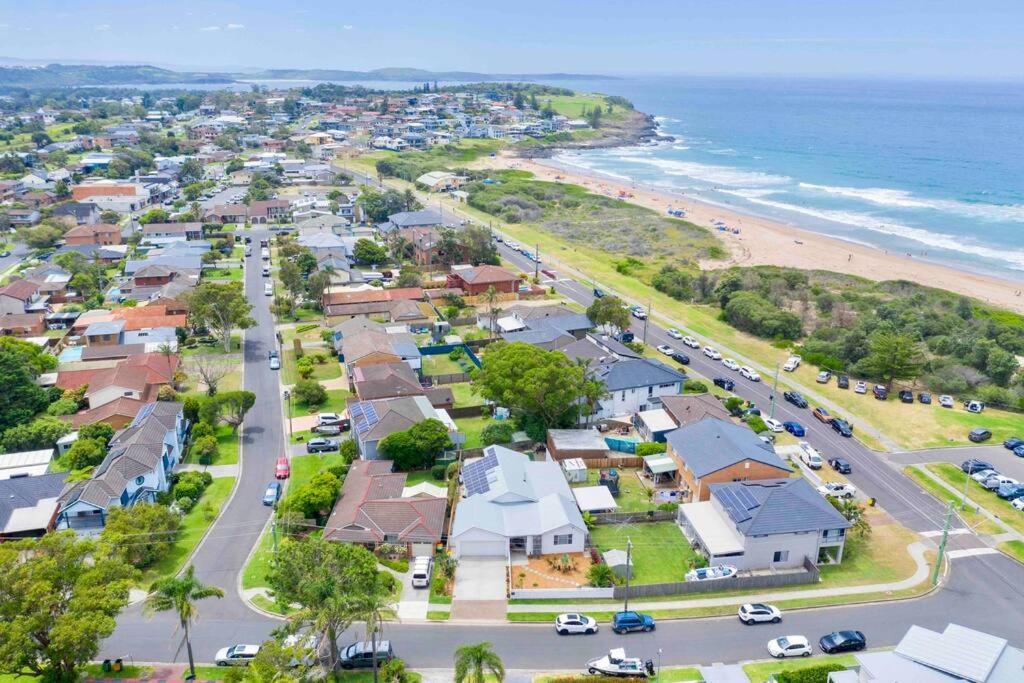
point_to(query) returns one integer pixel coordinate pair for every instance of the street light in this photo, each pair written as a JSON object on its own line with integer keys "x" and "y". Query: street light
{"x": 288, "y": 397}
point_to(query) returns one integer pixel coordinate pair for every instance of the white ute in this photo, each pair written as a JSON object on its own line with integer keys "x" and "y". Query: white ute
{"x": 792, "y": 363}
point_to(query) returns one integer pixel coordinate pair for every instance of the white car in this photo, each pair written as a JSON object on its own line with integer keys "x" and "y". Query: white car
{"x": 982, "y": 475}
{"x": 691, "y": 342}
{"x": 835, "y": 489}
{"x": 946, "y": 401}
{"x": 773, "y": 425}
{"x": 712, "y": 353}
{"x": 303, "y": 647}
{"x": 994, "y": 481}
{"x": 1018, "y": 504}
{"x": 674, "y": 333}
{"x": 566, "y": 624}
{"x": 268, "y": 289}
{"x": 731, "y": 364}
{"x": 759, "y": 613}
{"x": 329, "y": 419}
{"x": 236, "y": 655}
{"x": 666, "y": 349}
{"x": 861, "y": 387}
{"x": 750, "y": 373}
{"x": 789, "y": 646}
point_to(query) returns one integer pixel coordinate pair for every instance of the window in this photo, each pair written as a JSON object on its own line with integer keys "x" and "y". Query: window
{"x": 139, "y": 481}
{"x": 563, "y": 539}
{"x": 781, "y": 556}
{"x": 650, "y": 391}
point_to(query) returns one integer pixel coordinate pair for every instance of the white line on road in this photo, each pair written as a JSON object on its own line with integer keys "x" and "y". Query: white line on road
{"x": 971, "y": 552}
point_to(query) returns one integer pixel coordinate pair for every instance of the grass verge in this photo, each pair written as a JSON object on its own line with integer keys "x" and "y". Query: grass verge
{"x": 977, "y": 521}
{"x": 978, "y": 494}
{"x": 1014, "y": 549}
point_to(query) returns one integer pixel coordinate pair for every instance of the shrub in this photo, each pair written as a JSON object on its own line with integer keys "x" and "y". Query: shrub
{"x": 643, "y": 449}
{"x": 84, "y": 453}
{"x": 101, "y": 431}
{"x": 143, "y": 533}
{"x": 167, "y": 393}
{"x": 694, "y": 386}
{"x": 756, "y": 423}
{"x": 348, "y": 450}
{"x": 393, "y": 671}
{"x": 304, "y": 366}
{"x": 63, "y": 406}
{"x": 310, "y": 393}
{"x": 205, "y": 449}
{"x": 455, "y": 353}
{"x": 184, "y": 503}
{"x": 753, "y": 313}
{"x": 400, "y": 565}
{"x": 668, "y": 507}
{"x": 814, "y": 674}
{"x": 438, "y": 471}
{"x": 497, "y": 432}
{"x": 734, "y": 404}
{"x": 201, "y": 429}
{"x": 297, "y": 345}
{"x": 191, "y": 484}
{"x": 601, "y": 575}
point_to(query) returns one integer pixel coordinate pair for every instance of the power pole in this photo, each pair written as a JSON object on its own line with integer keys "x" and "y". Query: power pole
{"x": 646, "y": 318}
{"x": 629, "y": 570}
{"x": 775, "y": 388}
{"x": 536, "y": 262}
{"x": 273, "y": 534}
{"x": 967, "y": 481}
{"x": 942, "y": 544}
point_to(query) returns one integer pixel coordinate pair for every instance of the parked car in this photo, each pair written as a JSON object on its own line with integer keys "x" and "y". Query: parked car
{"x": 821, "y": 414}
{"x": 273, "y": 493}
{"x": 996, "y": 480}
{"x": 810, "y": 456}
{"x": 665, "y": 349}
{"x": 924, "y": 397}
{"x": 1019, "y": 451}
{"x": 1010, "y": 491}
{"x": 843, "y": 381}
{"x": 674, "y": 333}
{"x": 794, "y": 428}
{"x": 789, "y": 646}
{"x": 360, "y": 655}
{"x": 974, "y": 465}
{"x": 598, "y": 293}
{"x": 750, "y": 373}
{"x": 792, "y": 363}
{"x": 759, "y": 613}
{"x": 236, "y": 655}
{"x": 321, "y": 445}
{"x": 1017, "y": 504}
{"x": 691, "y": 342}
{"x": 773, "y": 425}
{"x": 731, "y": 364}
{"x": 835, "y": 489}
{"x": 724, "y": 383}
{"x": 572, "y": 623}
{"x": 275, "y": 363}
{"x": 625, "y": 622}
{"x": 681, "y": 358}
{"x": 880, "y": 392}
{"x": 839, "y": 465}
{"x": 946, "y": 401}
{"x": 860, "y": 388}
{"x": 843, "y": 427}
{"x": 638, "y": 312}
{"x": 842, "y": 641}
{"x": 282, "y": 470}
{"x": 1012, "y": 443}
{"x": 712, "y": 573}
{"x": 979, "y": 434}
{"x": 823, "y": 377}
{"x": 796, "y": 398}
{"x": 974, "y": 406}
{"x": 268, "y": 289}
{"x": 982, "y": 475}
{"x": 712, "y": 353}
{"x": 906, "y": 396}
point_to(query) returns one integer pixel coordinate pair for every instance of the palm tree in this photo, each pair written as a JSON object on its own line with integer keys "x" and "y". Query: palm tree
{"x": 471, "y": 660}
{"x": 374, "y": 609}
{"x": 178, "y": 593}
{"x": 491, "y": 298}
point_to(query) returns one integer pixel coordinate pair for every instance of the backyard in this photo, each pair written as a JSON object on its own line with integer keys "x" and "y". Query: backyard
{"x": 441, "y": 364}
{"x": 632, "y": 493}
{"x": 661, "y": 553}
{"x": 472, "y": 428}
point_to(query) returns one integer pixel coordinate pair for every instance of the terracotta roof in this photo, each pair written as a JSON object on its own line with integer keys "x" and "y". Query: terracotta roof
{"x": 689, "y": 408}
{"x": 90, "y": 230}
{"x": 24, "y": 320}
{"x": 368, "y": 295}
{"x": 124, "y": 407}
{"x": 481, "y": 275}
{"x": 385, "y": 380}
{"x": 23, "y": 290}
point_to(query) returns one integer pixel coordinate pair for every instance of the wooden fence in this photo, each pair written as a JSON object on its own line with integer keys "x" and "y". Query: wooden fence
{"x": 604, "y": 463}
{"x": 808, "y": 575}
{"x": 634, "y": 517}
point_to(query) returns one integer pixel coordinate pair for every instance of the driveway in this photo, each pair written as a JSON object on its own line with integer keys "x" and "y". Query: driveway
{"x": 480, "y": 589}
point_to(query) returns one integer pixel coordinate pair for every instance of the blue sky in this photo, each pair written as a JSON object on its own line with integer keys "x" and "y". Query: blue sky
{"x": 917, "y": 38}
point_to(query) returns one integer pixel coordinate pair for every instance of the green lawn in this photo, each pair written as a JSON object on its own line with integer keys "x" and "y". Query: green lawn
{"x": 472, "y": 427}
{"x": 321, "y": 371}
{"x": 441, "y": 364}
{"x": 463, "y": 393}
{"x": 96, "y": 671}
{"x": 227, "y": 448}
{"x": 193, "y": 527}
{"x": 977, "y": 494}
{"x": 970, "y": 515}
{"x": 632, "y": 494}
{"x": 255, "y": 573}
{"x": 335, "y": 404}
{"x": 760, "y": 671}
{"x": 1014, "y": 549}
{"x": 660, "y": 551}
{"x": 882, "y": 558}
{"x": 223, "y": 274}
{"x": 215, "y": 348}
{"x": 420, "y": 476}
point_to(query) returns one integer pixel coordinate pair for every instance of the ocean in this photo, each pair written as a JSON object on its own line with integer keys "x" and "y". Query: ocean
{"x": 932, "y": 169}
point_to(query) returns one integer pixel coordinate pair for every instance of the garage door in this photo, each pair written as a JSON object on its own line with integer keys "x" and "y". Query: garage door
{"x": 483, "y": 548}
{"x": 422, "y": 549}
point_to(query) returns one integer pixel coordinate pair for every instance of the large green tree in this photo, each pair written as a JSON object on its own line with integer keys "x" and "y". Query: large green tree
{"x": 58, "y": 600}
{"x": 142, "y": 533}
{"x": 892, "y": 356}
{"x": 22, "y": 397}
{"x": 417, "y": 446}
{"x": 367, "y": 252}
{"x": 41, "y": 432}
{"x": 221, "y": 307}
{"x": 179, "y": 594}
{"x": 609, "y": 311}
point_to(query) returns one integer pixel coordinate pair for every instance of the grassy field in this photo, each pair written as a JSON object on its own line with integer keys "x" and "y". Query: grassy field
{"x": 441, "y": 364}
{"x": 881, "y": 558}
{"x": 574, "y": 105}
{"x": 759, "y": 672}
{"x": 472, "y": 428}
{"x": 214, "y": 349}
{"x": 979, "y": 495}
{"x": 321, "y": 371}
{"x": 977, "y": 521}
{"x": 632, "y": 494}
{"x": 463, "y": 393}
{"x": 193, "y": 527}
{"x": 223, "y": 274}
{"x": 660, "y": 551}
{"x": 255, "y": 573}
{"x": 335, "y": 404}
{"x": 227, "y": 448}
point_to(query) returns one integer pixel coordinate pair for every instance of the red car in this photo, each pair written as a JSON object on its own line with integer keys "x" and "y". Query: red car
{"x": 821, "y": 414}
{"x": 283, "y": 469}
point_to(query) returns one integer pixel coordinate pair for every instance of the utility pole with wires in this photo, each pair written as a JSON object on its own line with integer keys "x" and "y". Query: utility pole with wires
{"x": 775, "y": 389}
{"x": 629, "y": 570}
{"x": 963, "y": 501}
{"x": 536, "y": 262}
{"x": 942, "y": 544}
{"x": 646, "y": 318}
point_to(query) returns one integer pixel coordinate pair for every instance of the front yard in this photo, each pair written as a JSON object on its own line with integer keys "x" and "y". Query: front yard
{"x": 661, "y": 553}
{"x": 335, "y": 404}
{"x": 321, "y": 371}
{"x": 227, "y": 448}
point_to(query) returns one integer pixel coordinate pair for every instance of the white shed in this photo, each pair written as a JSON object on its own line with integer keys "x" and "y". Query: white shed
{"x": 575, "y": 470}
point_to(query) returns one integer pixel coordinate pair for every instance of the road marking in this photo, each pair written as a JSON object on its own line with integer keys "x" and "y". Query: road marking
{"x": 935, "y": 533}
{"x": 971, "y": 552}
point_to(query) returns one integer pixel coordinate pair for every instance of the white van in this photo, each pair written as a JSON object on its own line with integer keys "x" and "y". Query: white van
{"x": 265, "y": 254}
{"x": 268, "y": 289}
{"x": 421, "y": 572}
{"x": 809, "y": 456}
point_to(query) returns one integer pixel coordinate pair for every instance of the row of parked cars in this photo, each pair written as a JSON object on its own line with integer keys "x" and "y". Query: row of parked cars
{"x": 986, "y": 474}
{"x": 839, "y": 425}
{"x": 358, "y": 655}
{"x": 880, "y": 392}
{"x": 745, "y": 371}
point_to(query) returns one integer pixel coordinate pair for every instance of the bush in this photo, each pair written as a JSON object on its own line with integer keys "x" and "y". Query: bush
{"x": 349, "y": 450}
{"x": 643, "y": 449}
{"x": 84, "y": 453}
{"x": 63, "y": 406}
{"x": 304, "y": 366}
{"x": 668, "y": 507}
{"x": 400, "y": 565}
{"x": 166, "y": 393}
{"x": 297, "y": 345}
{"x": 184, "y": 503}
{"x": 756, "y": 423}
{"x": 438, "y": 472}
{"x": 191, "y": 484}
{"x": 734, "y": 404}
{"x": 601, "y": 575}
{"x": 205, "y": 449}
{"x": 455, "y": 354}
{"x": 497, "y": 432}
{"x": 309, "y": 393}
{"x": 143, "y": 533}
{"x": 753, "y": 313}
{"x": 102, "y": 431}
{"x": 814, "y": 674}
{"x": 201, "y": 429}
{"x": 393, "y": 671}
{"x": 694, "y": 386}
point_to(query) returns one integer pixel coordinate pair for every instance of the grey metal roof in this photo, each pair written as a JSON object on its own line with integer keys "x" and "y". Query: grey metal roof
{"x": 26, "y": 492}
{"x": 105, "y": 327}
{"x": 408, "y": 219}
{"x": 629, "y": 373}
{"x": 777, "y": 506}
{"x": 959, "y": 651}
{"x": 710, "y": 445}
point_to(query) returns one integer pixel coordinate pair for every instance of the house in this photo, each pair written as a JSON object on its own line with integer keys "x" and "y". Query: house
{"x": 686, "y": 409}
{"x": 81, "y": 212}
{"x": 138, "y": 464}
{"x": 104, "y": 333}
{"x": 476, "y": 280}
{"x": 228, "y": 213}
{"x": 269, "y": 211}
{"x": 634, "y": 384}
{"x": 121, "y": 196}
{"x": 20, "y": 296}
{"x": 587, "y": 444}
{"x": 511, "y": 504}
{"x": 402, "y": 311}
{"x": 162, "y": 233}
{"x": 23, "y": 325}
{"x": 373, "y": 510}
{"x": 93, "y": 233}
{"x": 770, "y": 524}
{"x": 714, "y": 451}
{"x": 25, "y": 463}
{"x": 440, "y": 181}
{"x": 373, "y": 294}
{"x": 29, "y": 505}
{"x": 374, "y": 420}
{"x": 404, "y": 220}
{"x": 385, "y": 380}
{"x": 372, "y": 346}
{"x": 136, "y": 378}
{"x": 22, "y": 217}
{"x": 925, "y": 656}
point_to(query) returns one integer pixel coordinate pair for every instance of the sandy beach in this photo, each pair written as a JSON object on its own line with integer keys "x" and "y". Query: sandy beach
{"x": 765, "y": 242}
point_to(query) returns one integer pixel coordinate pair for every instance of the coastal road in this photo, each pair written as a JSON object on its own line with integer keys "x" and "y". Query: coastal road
{"x": 221, "y": 557}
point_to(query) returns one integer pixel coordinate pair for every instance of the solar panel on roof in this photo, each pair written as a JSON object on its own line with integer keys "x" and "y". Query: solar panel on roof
{"x": 732, "y": 504}
{"x": 356, "y": 411}
{"x": 746, "y": 498}
{"x": 143, "y": 413}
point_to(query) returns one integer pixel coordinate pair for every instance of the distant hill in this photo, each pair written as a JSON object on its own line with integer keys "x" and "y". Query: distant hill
{"x": 73, "y": 75}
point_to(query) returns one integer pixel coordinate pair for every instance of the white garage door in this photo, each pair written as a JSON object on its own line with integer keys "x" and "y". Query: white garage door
{"x": 422, "y": 549}
{"x": 483, "y": 548}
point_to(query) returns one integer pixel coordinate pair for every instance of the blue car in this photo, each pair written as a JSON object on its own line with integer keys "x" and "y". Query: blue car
{"x": 794, "y": 428}
{"x": 272, "y": 493}
{"x": 1019, "y": 451}
{"x": 1011, "y": 491}
{"x": 624, "y": 622}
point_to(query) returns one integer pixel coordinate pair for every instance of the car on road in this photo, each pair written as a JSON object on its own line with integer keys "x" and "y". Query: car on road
{"x": 996, "y": 480}
{"x": 1017, "y": 504}
{"x": 321, "y": 445}
{"x": 691, "y": 342}
{"x": 979, "y": 434}
{"x": 272, "y": 493}
{"x": 842, "y": 427}
{"x": 974, "y": 465}
{"x": 946, "y": 401}
{"x": 750, "y": 374}
{"x": 839, "y": 465}
{"x": 836, "y": 489}
{"x": 665, "y": 349}
{"x": 843, "y": 381}
{"x": 982, "y": 475}
{"x": 821, "y": 414}
{"x": 724, "y": 383}
{"x": 236, "y": 655}
{"x": 823, "y": 377}
{"x": 773, "y": 425}
{"x": 4, "y": 253}
{"x": 842, "y": 641}
{"x": 759, "y": 613}
{"x": 712, "y": 353}
{"x": 924, "y": 397}
{"x": 681, "y": 358}
{"x": 638, "y": 312}
{"x": 268, "y": 289}
{"x": 598, "y": 293}
{"x": 906, "y": 396}
{"x": 880, "y": 392}
{"x": 674, "y": 333}
{"x": 1019, "y": 451}
{"x": 573, "y": 623}
{"x": 1012, "y": 443}
{"x": 360, "y": 655}
{"x": 860, "y": 388}
{"x": 810, "y": 456}
{"x": 789, "y": 646}
{"x": 796, "y": 398}
{"x": 731, "y": 364}
{"x": 794, "y": 428}
{"x": 1011, "y": 491}
{"x": 282, "y": 470}
{"x": 275, "y": 361}
{"x": 625, "y": 622}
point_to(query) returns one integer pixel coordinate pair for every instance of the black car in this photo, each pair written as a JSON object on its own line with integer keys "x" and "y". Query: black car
{"x": 880, "y": 392}
{"x": 795, "y": 398}
{"x": 840, "y": 465}
{"x": 842, "y": 426}
{"x": 974, "y": 465}
{"x": 724, "y": 383}
{"x": 248, "y": 239}
{"x": 979, "y": 434}
{"x": 924, "y": 397}
{"x": 906, "y": 396}
{"x": 598, "y": 293}
{"x": 843, "y": 381}
{"x": 1012, "y": 443}
{"x": 681, "y": 358}
{"x": 842, "y": 641}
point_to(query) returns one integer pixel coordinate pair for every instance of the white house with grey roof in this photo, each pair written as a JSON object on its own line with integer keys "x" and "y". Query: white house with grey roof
{"x": 634, "y": 385}
{"x": 512, "y": 504}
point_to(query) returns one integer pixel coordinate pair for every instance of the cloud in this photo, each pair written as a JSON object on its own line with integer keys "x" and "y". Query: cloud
{"x": 103, "y": 27}
{"x": 235, "y": 27}
{"x": 348, "y": 27}
{"x": 210, "y": 28}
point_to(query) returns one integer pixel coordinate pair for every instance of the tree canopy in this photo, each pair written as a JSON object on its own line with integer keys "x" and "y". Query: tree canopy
{"x": 609, "y": 311}
{"x": 418, "y": 446}
{"x": 222, "y": 307}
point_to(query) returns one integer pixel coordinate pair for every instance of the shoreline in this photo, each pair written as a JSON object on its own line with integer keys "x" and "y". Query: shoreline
{"x": 764, "y": 241}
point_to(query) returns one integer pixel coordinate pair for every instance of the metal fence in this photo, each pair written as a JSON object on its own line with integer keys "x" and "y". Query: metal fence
{"x": 810, "y": 574}
{"x": 440, "y": 349}
{"x": 634, "y": 517}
